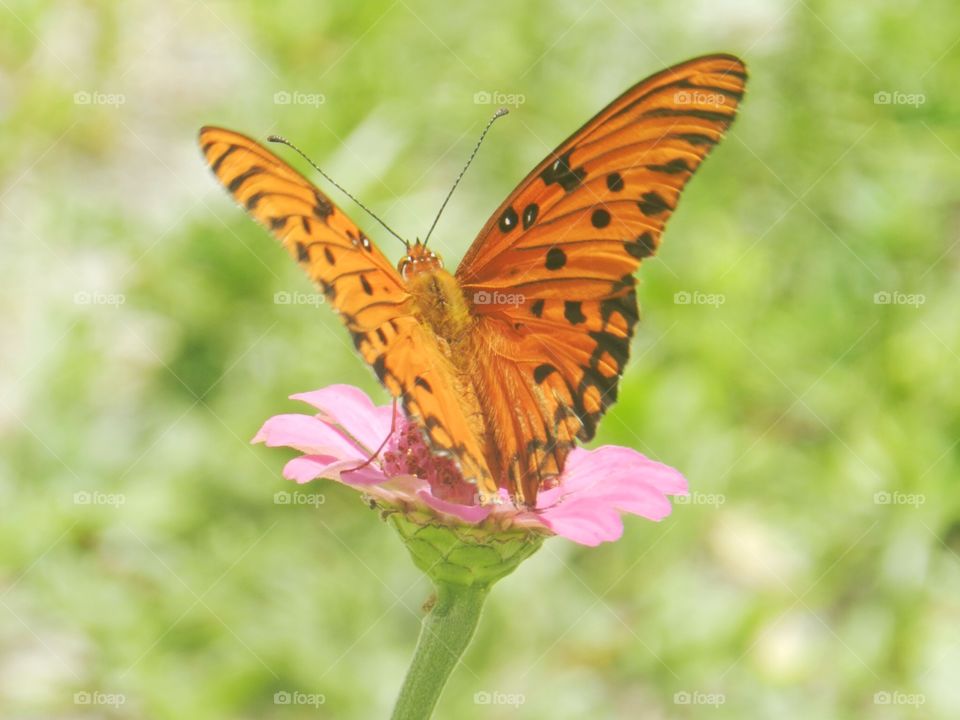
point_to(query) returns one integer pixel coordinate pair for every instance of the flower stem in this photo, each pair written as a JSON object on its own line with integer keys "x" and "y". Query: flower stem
{"x": 446, "y": 632}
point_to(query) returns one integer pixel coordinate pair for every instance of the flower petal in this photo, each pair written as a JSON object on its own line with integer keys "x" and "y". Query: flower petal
{"x": 310, "y": 467}
{"x": 308, "y": 434}
{"x": 468, "y": 513}
{"x": 351, "y": 409}
{"x": 600, "y": 484}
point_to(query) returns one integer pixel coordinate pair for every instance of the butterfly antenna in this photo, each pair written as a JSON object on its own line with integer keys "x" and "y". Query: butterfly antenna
{"x": 498, "y": 114}
{"x": 284, "y": 141}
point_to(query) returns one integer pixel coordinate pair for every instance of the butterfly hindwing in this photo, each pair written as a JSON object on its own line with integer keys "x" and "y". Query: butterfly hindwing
{"x": 554, "y": 266}
{"x": 359, "y": 282}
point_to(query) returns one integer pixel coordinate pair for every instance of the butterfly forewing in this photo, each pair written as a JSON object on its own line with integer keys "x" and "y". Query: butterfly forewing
{"x": 360, "y": 283}
{"x": 562, "y": 250}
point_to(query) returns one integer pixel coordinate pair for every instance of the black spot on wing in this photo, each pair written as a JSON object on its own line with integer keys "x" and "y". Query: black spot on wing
{"x": 652, "y": 203}
{"x": 542, "y": 372}
{"x": 695, "y": 139}
{"x": 508, "y": 221}
{"x": 421, "y": 383}
{"x": 673, "y": 167}
{"x": 556, "y": 258}
{"x": 253, "y": 200}
{"x": 600, "y": 218}
{"x": 644, "y": 246}
{"x": 240, "y": 179}
{"x": 223, "y": 156}
{"x": 573, "y": 312}
{"x": 560, "y": 172}
{"x": 380, "y": 367}
{"x": 322, "y": 207}
{"x": 530, "y": 213}
{"x": 537, "y": 308}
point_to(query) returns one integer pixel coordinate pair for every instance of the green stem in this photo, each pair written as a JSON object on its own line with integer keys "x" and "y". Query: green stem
{"x": 446, "y": 632}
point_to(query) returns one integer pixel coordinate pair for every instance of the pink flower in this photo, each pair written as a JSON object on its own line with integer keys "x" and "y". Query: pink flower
{"x": 585, "y": 506}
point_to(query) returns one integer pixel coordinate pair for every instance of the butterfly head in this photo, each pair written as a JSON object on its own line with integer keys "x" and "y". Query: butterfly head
{"x": 418, "y": 260}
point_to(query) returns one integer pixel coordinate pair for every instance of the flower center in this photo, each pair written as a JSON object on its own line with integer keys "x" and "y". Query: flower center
{"x": 408, "y": 454}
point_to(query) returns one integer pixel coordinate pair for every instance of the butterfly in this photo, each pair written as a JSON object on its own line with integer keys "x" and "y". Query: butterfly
{"x": 514, "y": 358}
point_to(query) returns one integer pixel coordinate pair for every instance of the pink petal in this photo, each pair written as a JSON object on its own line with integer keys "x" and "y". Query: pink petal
{"x": 308, "y": 434}
{"x": 310, "y": 467}
{"x": 351, "y": 409}
{"x": 600, "y": 484}
{"x": 468, "y": 513}
{"x": 587, "y": 524}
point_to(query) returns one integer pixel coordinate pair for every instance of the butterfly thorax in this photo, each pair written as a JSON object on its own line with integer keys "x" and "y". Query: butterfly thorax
{"x": 436, "y": 294}
{"x": 440, "y": 303}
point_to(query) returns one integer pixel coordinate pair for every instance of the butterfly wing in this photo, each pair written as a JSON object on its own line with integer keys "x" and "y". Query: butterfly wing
{"x": 551, "y": 274}
{"x": 360, "y": 283}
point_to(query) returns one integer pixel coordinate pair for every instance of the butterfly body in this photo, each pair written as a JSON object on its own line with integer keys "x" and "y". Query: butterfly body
{"x": 510, "y": 361}
{"x": 438, "y": 299}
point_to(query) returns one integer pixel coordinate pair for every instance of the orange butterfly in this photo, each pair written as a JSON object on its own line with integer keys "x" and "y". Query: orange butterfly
{"x": 510, "y": 361}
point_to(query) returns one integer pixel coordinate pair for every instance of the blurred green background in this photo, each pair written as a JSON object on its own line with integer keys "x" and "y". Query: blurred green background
{"x": 145, "y": 569}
